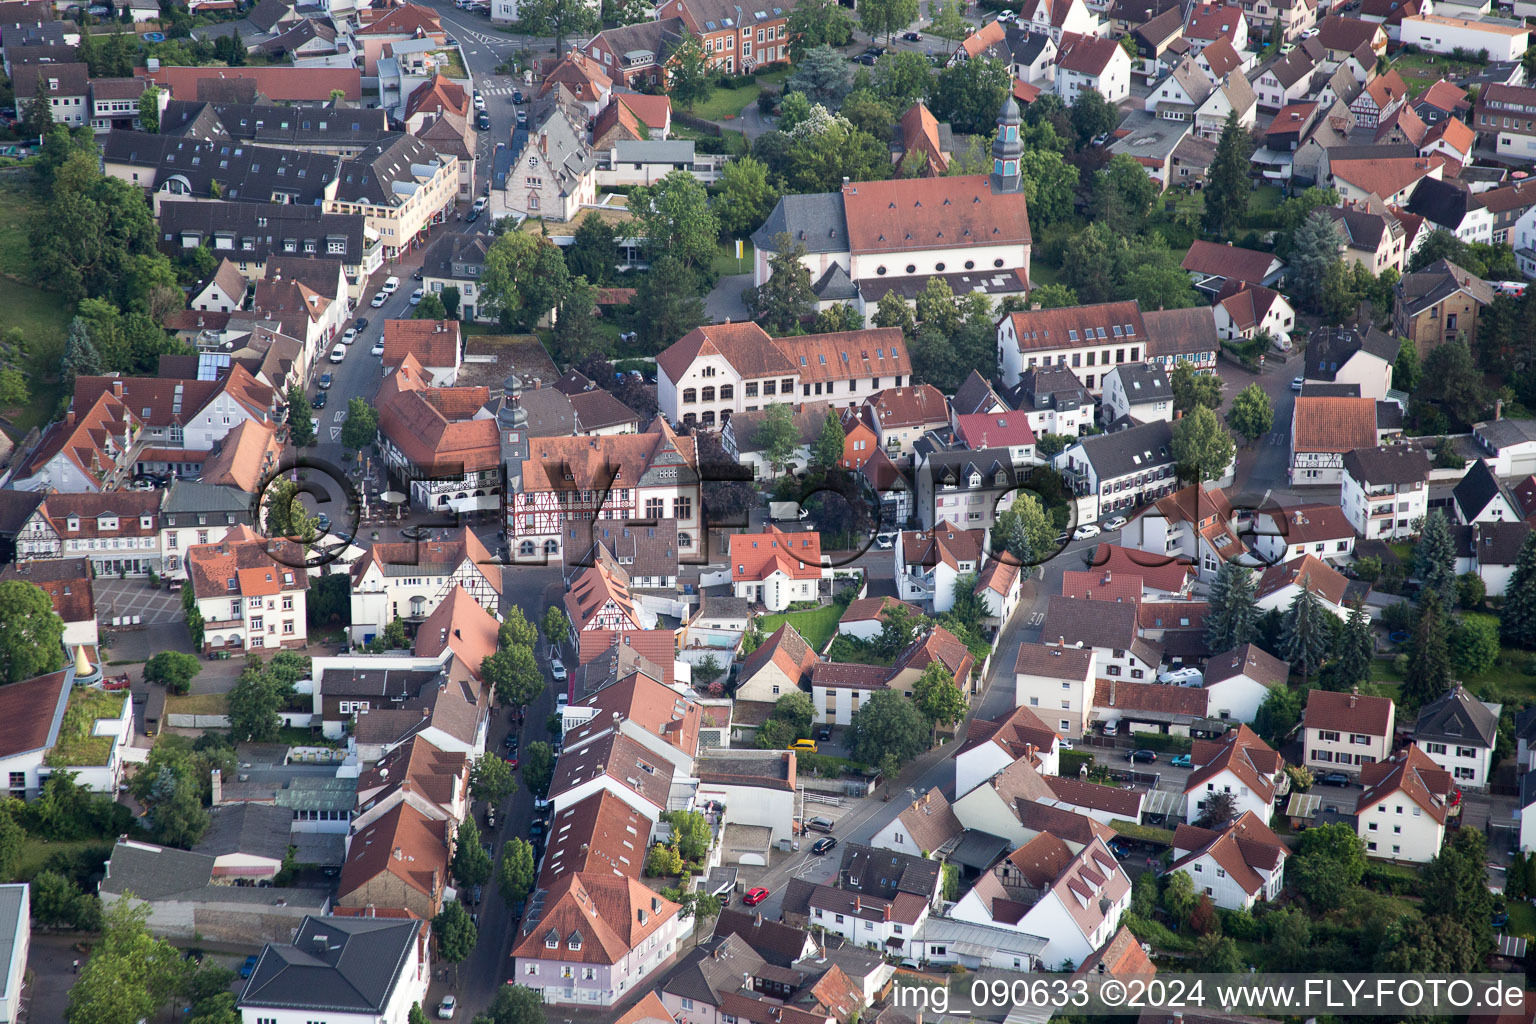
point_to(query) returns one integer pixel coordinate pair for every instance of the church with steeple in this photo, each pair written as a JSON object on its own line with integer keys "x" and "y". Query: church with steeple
{"x": 874, "y": 237}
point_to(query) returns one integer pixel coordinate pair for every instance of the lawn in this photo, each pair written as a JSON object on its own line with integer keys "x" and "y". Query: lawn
{"x": 1508, "y": 682}
{"x": 35, "y": 853}
{"x": 197, "y": 704}
{"x": 816, "y": 625}
{"x": 1422, "y": 70}
{"x": 724, "y": 104}
{"x": 77, "y": 745}
{"x": 725, "y": 262}
{"x": 1522, "y": 918}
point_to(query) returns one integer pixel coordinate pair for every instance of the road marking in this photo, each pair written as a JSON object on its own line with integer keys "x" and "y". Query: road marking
{"x": 341, "y": 415}
{"x": 335, "y": 433}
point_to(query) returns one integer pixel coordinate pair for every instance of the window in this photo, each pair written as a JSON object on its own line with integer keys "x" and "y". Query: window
{"x": 690, "y": 396}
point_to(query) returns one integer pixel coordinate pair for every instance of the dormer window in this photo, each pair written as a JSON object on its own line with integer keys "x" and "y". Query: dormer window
{"x": 74, "y": 523}
{"x": 231, "y": 583}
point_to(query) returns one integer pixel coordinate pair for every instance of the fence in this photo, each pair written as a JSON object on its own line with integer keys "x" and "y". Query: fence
{"x": 698, "y": 124}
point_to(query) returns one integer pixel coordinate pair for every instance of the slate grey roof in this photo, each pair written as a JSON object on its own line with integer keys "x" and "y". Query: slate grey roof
{"x": 1110, "y": 624}
{"x": 257, "y": 830}
{"x": 192, "y": 496}
{"x": 1490, "y": 543}
{"x": 309, "y": 124}
{"x": 1445, "y": 203}
{"x": 779, "y": 944}
{"x": 884, "y": 873}
{"x": 456, "y": 256}
{"x": 712, "y": 969}
{"x": 1476, "y": 490}
{"x": 1050, "y": 387}
{"x": 1527, "y": 789}
{"x": 1458, "y": 717}
{"x": 816, "y": 221}
{"x": 1393, "y": 464}
{"x": 549, "y": 412}
{"x": 244, "y": 172}
{"x": 155, "y": 872}
{"x": 1505, "y": 433}
{"x": 1435, "y": 283}
{"x": 1144, "y": 382}
{"x": 835, "y": 285}
{"x": 1330, "y": 348}
{"x": 1125, "y": 452}
{"x": 10, "y": 913}
{"x": 958, "y": 465}
{"x": 383, "y": 174}
{"x": 975, "y": 395}
{"x": 258, "y": 230}
{"x": 16, "y": 507}
{"x": 336, "y": 965}
{"x": 1313, "y": 389}
{"x": 655, "y": 151}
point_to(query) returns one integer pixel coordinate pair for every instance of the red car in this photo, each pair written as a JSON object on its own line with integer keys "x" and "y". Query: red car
{"x": 755, "y": 896}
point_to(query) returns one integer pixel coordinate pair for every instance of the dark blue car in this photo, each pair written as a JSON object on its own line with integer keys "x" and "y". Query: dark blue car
{"x": 249, "y": 966}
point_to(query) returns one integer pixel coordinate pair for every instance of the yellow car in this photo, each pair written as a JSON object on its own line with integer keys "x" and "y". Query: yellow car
{"x": 804, "y": 746}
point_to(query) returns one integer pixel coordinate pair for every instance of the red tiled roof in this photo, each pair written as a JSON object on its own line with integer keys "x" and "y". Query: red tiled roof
{"x": 1213, "y": 21}
{"x": 1229, "y": 261}
{"x": 462, "y": 624}
{"x": 1348, "y": 712}
{"x": 1308, "y": 571}
{"x": 595, "y": 919}
{"x": 279, "y": 83}
{"x": 919, "y": 133}
{"x": 756, "y": 556}
{"x": 404, "y": 843}
{"x": 1071, "y": 325}
{"x": 1411, "y": 772}
{"x": 1101, "y": 585}
{"x": 1334, "y": 424}
{"x": 433, "y": 426}
{"x": 434, "y": 343}
{"x": 904, "y": 215}
{"x": 1241, "y": 752}
{"x": 1159, "y": 572}
{"x": 994, "y": 429}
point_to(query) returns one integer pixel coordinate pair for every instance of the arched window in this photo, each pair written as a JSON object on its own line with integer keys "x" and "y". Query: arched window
{"x": 551, "y": 547}
{"x": 685, "y": 540}
{"x": 709, "y": 418}
{"x": 527, "y": 547}
{"x": 709, "y": 394}
{"x": 690, "y": 396}
{"x": 727, "y": 391}
{"x": 418, "y": 607}
{"x": 688, "y": 418}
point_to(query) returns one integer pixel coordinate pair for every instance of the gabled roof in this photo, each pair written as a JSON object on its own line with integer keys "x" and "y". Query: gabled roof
{"x": 1248, "y": 660}
{"x": 437, "y": 426}
{"x": 1055, "y": 661}
{"x": 913, "y": 406}
{"x": 1446, "y": 96}
{"x": 1383, "y": 176}
{"x": 1069, "y": 326}
{"x": 1348, "y": 712}
{"x": 1157, "y": 571}
{"x": 1334, "y": 424}
{"x": 1477, "y": 489}
{"x": 1015, "y": 733}
{"x": 1213, "y": 21}
{"x": 904, "y": 215}
{"x": 1307, "y": 524}
{"x": 1457, "y": 717}
{"x": 1096, "y": 624}
{"x": 1127, "y": 452}
{"x": 1412, "y": 773}
{"x": 1154, "y": 698}
{"x": 404, "y": 843}
{"x": 1121, "y": 957}
{"x": 592, "y": 918}
{"x": 1392, "y": 464}
{"x": 1086, "y": 54}
{"x": 787, "y": 650}
{"x": 462, "y": 624}
{"x": 1242, "y": 753}
{"x": 930, "y": 822}
{"x": 946, "y": 543}
{"x": 755, "y": 557}
{"x": 1308, "y": 571}
{"x": 1247, "y": 304}
{"x": 33, "y": 710}
{"x": 600, "y": 834}
{"x": 1242, "y": 849}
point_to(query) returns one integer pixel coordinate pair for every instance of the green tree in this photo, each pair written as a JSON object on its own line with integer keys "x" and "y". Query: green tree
{"x": 1179, "y": 898}
{"x": 1123, "y": 194}
{"x": 556, "y": 626}
{"x": 431, "y": 307}
{"x": 515, "y": 1004}
{"x": 1278, "y": 715}
{"x": 524, "y": 276}
{"x": 821, "y": 75}
{"x": 1234, "y": 614}
{"x": 149, "y": 110}
{"x": 286, "y": 515}
{"x": 37, "y": 117}
{"x": 827, "y": 451}
{"x": 1434, "y": 558}
{"x": 775, "y": 734}
{"x": 937, "y": 696}
{"x": 903, "y": 78}
{"x": 796, "y": 709}
{"x": 1517, "y": 621}
{"x": 1316, "y": 247}
{"x": 688, "y": 74}
{"x": 777, "y": 437}
{"x": 1093, "y": 115}
{"x": 1192, "y": 388}
{"x": 786, "y": 298}
{"x": 393, "y": 637}
{"x": 362, "y": 424}
{"x": 31, "y": 632}
{"x": 450, "y": 298}
{"x": 1354, "y": 647}
{"x": 1455, "y": 887}
{"x": 174, "y": 670}
{"x": 491, "y": 779}
{"x": 1471, "y": 591}
{"x": 1406, "y": 372}
{"x": 12, "y": 836}
{"x": 1429, "y": 667}
{"x": 969, "y": 95}
{"x": 1453, "y": 381}
{"x": 893, "y": 311}
{"x": 538, "y": 766}
{"x": 1328, "y": 864}
{"x": 663, "y": 861}
{"x": 1252, "y": 413}
{"x": 130, "y": 974}
{"x": 887, "y": 723}
{"x": 456, "y": 934}
{"x": 301, "y": 431}
{"x": 471, "y": 865}
{"x": 594, "y": 252}
{"x": 253, "y": 706}
{"x": 898, "y": 625}
{"x": 816, "y": 23}
{"x": 1201, "y": 446}
{"x": 1049, "y": 184}
{"x": 1474, "y": 644}
{"x": 1227, "y": 183}
{"x": 1307, "y": 635}
{"x": 745, "y": 198}
{"x": 577, "y": 336}
{"x": 514, "y": 674}
{"x": 1024, "y": 531}
{"x": 516, "y": 874}
{"x": 515, "y": 630}
{"x": 887, "y": 17}
{"x": 667, "y": 303}
{"x": 691, "y": 833}
{"x": 558, "y": 18}
{"x": 1217, "y": 954}
{"x": 171, "y": 792}
{"x": 675, "y": 218}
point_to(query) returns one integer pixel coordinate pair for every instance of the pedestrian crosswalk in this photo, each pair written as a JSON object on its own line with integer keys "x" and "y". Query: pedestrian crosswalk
{"x": 497, "y": 90}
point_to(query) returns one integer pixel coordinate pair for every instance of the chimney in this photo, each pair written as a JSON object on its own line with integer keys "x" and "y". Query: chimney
{"x": 1498, "y": 409}
{"x": 399, "y": 854}
{"x": 216, "y": 784}
{"x": 758, "y": 923}
{"x": 858, "y": 904}
{"x": 117, "y": 387}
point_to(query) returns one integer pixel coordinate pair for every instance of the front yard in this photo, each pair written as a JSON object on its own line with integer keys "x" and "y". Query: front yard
{"x": 726, "y": 103}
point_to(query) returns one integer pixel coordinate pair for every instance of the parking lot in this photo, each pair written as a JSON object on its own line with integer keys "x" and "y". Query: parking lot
{"x": 125, "y": 598}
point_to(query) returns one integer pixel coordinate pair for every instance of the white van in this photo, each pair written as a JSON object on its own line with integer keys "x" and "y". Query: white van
{"x": 391, "y": 285}
{"x": 1181, "y": 677}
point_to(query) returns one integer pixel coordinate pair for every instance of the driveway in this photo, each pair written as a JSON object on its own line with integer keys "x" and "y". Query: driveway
{"x": 724, "y": 300}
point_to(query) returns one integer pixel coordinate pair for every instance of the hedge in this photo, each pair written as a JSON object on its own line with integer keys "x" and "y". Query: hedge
{"x": 1163, "y": 743}
{"x": 1145, "y": 833}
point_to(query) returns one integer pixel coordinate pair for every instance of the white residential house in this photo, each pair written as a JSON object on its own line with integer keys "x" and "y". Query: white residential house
{"x": 1459, "y": 732}
{"x": 1110, "y": 629}
{"x": 1240, "y": 764}
{"x": 1141, "y": 391}
{"x": 991, "y": 746}
{"x": 1479, "y": 497}
{"x": 1055, "y": 681}
{"x": 1401, "y": 814}
{"x": 248, "y": 599}
{"x": 1120, "y": 471}
{"x": 1385, "y": 491}
{"x": 1279, "y": 585}
{"x": 1439, "y": 33}
{"x": 346, "y": 970}
{"x": 1491, "y": 550}
{"x": 1237, "y": 866}
{"x": 927, "y": 563}
{"x": 1345, "y": 731}
{"x": 1240, "y": 680}
{"x": 1319, "y": 529}
{"x": 1353, "y": 355}
{"x": 1092, "y": 62}
{"x": 774, "y": 568}
{"x": 1193, "y": 523}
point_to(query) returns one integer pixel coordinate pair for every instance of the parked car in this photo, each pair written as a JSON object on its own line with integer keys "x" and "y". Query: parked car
{"x": 1297, "y": 382}
{"x": 1142, "y": 757}
{"x": 522, "y": 119}
{"x": 249, "y": 965}
{"x": 535, "y": 828}
{"x": 391, "y": 285}
{"x": 557, "y": 669}
{"x": 886, "y": 541}
{"x": 1181, "y": 761}
{"x": 1115, "y": 522}
{"x": 360, "y": 323}
{"x": 446, "y": 1007}
{"x": 416, "y": 296}
{"x": 378, "y": 348}
{"x": 819, "y": 824}
{"x": 755, "y": 896}
{"x": 1085, "y": 531}
{"x": 338, "y": 353}
{"x": 824, "y": 733}
{"x": 490, "y": 822}
{"x": 324, "y": 381}
{"x": 912, "y": 37}
{"x": 823, "y": 845}
{"x": 1332, "y": 779}
{"x": 350, "y": 336}
{"x": 379, "y": 299}
{"x": 479, "y": 204}
{"x": 318, "y": 402}
{"x": 483, "y": 121}
{"x": 323, "y": 522}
